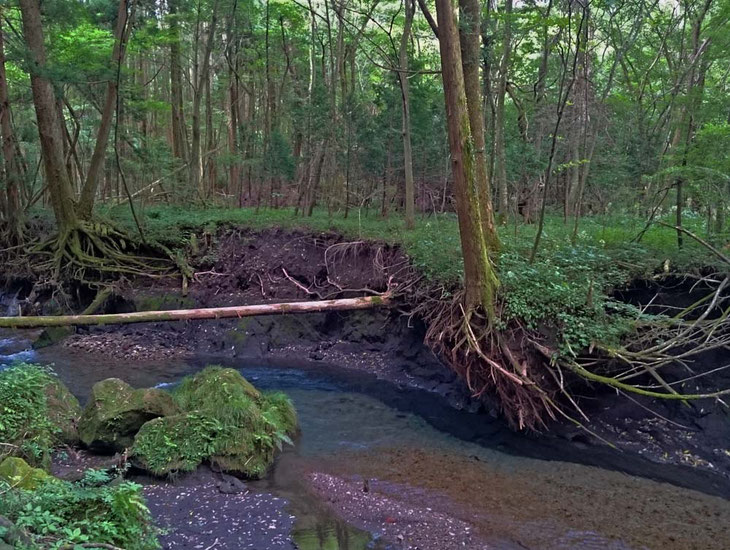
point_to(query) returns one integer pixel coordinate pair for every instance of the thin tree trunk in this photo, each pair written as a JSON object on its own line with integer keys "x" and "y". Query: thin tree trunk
{"x": 406, "y": 114}
{"x": 93, "y": 174}
{"x": 179, "y": 141}
{"x": 196, "y": 180}
{"x": 499, "y": 143}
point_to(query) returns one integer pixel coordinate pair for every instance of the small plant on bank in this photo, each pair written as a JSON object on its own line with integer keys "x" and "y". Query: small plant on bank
{"x": 26, "y": 429}
{"x": 60, "y": 514}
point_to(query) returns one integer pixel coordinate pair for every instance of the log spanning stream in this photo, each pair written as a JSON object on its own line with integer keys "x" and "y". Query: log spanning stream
{"x": 377, "y": 466}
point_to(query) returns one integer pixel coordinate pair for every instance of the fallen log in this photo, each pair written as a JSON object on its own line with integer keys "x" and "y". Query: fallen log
{"x": 344, "y": 304}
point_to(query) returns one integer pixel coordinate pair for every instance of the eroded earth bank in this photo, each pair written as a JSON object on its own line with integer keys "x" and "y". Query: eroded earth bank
{"x": 393, "y": 452}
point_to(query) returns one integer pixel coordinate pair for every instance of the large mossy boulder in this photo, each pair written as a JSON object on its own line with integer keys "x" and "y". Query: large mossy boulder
{"x": 37, "y": 412}
{"x": 17, "y": 473}
{"x": 225, "y": 421}
{"x": 116, "y": 411}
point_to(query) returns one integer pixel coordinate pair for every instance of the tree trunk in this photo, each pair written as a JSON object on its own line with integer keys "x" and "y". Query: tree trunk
{"x": 480, "y": 280}
{"x": 179, "y": 140}
{"x": 406, "y": 114}
{"x": 469, "y": 36}
{"x": 12, "y": 163}
{"x": 200, "y": 75}
{"x": 499, "y": 144}
{"x": 93, "y": 174}
{"x": 49, "y": 124}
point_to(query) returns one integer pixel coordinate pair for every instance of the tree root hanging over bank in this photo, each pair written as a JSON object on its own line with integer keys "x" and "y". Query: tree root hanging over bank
{"x": 492, "y": 362}
{"x": 91, "y": 254}
{"x": 533, "y": 384}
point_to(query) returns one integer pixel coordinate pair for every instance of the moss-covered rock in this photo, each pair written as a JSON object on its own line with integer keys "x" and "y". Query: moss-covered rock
{"x": 116, "y": 412}
{"x": 64, "y": 412}
{"x": 225, "y": 421}
{"x": 17, "y": 473}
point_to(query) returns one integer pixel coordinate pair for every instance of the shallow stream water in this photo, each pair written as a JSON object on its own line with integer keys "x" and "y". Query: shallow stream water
{"x": 357, "y": 427}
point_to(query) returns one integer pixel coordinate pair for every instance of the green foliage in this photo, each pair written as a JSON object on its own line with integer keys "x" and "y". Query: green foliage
{"x": 91, "y": 511}
{"x": 26, "y": 429}
{"x": 224, "y": 420}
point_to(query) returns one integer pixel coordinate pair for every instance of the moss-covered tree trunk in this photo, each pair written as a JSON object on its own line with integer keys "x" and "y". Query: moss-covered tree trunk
{"x": 480, "y": 281}
{"x": 48, "y": 122}
{"x": 469, "y": 36}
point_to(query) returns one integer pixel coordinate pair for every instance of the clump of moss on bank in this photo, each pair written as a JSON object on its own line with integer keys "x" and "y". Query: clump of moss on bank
{"x": 37, "y": 412}
{"x": 224, "y": 420}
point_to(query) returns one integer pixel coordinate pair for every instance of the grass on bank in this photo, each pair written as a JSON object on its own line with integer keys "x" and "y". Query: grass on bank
{"x": 566, "y": 290}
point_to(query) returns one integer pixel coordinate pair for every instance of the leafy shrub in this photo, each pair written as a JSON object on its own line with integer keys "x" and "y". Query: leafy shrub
{"x": 91, "y": 511}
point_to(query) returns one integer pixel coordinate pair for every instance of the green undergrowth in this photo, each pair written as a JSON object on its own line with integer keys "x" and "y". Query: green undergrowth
{"x": 29, "y": 428}
{"x": 37, "y": 413}
{"x": 224, "y": 420}
{"x": 59, "y": 513}
{"x": 564, "y": 292}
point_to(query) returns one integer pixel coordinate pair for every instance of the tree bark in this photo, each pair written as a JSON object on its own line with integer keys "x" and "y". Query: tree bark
{"x": 48, "y": 121}
{"x": 480, "y": 280}
{"x": 231, "y": 312}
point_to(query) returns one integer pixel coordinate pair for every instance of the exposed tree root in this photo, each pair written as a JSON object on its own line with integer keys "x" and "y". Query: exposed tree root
{"x": 492, "y": 362}
{"x": 91, "y": 255}
{"x": 532, "y": 384}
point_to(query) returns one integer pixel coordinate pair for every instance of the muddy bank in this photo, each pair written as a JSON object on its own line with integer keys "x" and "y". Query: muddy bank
{"x": 515, "y": 510}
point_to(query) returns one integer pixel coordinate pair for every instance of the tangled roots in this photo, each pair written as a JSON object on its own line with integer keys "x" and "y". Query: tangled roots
{"x": 493, "y": 362}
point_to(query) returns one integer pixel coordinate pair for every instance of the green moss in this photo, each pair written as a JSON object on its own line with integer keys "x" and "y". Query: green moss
{"x": 225, "y": 421}
{"x": 17, "y": 473}
{"x": 213, "y": 388}
{"x": 116, "y": 411}
{"x": 36, "y": 412}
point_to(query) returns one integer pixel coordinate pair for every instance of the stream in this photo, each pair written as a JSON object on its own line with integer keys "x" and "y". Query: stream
{"x": 434, "y": 466}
